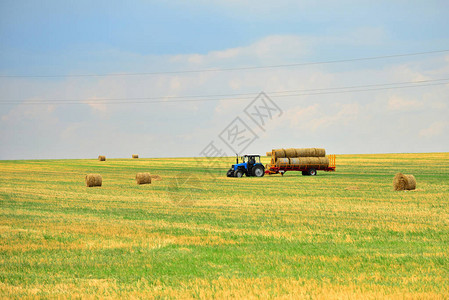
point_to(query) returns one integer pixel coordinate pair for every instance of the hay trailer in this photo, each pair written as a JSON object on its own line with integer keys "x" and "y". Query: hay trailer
{"x": 306, "y": 165}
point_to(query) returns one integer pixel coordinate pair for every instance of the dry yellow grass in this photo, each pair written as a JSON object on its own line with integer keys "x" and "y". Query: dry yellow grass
{"x": 271, "y": 237}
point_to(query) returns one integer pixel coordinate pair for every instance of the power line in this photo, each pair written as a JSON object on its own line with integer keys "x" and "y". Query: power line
{"x": 165, "y": 98}
{"x": 231, "y": 69}
{"x": 234, "y": 97}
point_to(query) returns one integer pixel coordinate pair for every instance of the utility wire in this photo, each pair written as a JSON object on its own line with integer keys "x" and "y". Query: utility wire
{"x": 221, "y": 96}
{"x": 231, "y": 69}
{"x": 234, "y": 97}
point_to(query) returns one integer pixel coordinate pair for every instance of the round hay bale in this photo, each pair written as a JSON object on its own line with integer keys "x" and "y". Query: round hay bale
{"x": 411, "y": 182}
{"x": 311, "y": 162}
{"x": 101, "y": 157}
{"x": 143, "y": 178}
{"x": 280, "y": 153}
{"x": 310, "y": 152}
{"x": 320, "y": 152}
{"x": 135, "y": 156}
{"x": 402, "y": 182}
{"x": 302, "y": 152}
{"x": 290, "y": 152}
{"x": 324, "y": 161}
{"x": 295, "y": 161}
{"x": 93, "y": 180}
{"x": 282, "y": 161}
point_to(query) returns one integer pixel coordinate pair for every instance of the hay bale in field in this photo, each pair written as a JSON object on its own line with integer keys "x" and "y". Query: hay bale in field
{"x": 143, "y": 178}
{"x": 93, "y": 180}
{"x": 269, "y": 153}
{"x": 155, "y": 177}
{"x": 280, "y": 153}
{"x": 135, "y": 156}
{"x": 403, "y": 182}
{"x": 101, "y": 157}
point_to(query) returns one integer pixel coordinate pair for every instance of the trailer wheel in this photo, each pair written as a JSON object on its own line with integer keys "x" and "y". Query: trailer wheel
{"x": 312, "y": 172}
{"x": 238, "y": 173}
{"x": 258, "y": 171}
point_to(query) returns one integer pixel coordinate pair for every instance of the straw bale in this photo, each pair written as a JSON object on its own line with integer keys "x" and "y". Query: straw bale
{"x": 93, "y": 180}
{"x": 143, "y": 178}
{"x": 280, "y": 153}
{"x": 290, "y": 152}
{"x": 403, "y": 182}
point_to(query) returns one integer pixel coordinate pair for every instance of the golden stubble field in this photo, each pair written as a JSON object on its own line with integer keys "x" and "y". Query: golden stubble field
{"x": 198, "y": 234}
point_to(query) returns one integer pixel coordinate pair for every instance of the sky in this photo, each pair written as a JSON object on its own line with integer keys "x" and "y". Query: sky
{"x": 171, "y": 78}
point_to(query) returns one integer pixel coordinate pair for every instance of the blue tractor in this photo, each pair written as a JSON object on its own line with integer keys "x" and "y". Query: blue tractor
{"x": 250, "y": 166}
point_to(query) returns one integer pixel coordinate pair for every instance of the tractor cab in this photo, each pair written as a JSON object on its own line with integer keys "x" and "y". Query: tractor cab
{"x": 250, "y": 165}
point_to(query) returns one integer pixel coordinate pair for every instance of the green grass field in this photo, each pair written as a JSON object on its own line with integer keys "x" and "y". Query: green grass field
{"x": 338, "y": 234}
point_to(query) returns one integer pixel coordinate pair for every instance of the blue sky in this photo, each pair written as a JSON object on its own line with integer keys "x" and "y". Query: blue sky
{"x": 107, "y": 37}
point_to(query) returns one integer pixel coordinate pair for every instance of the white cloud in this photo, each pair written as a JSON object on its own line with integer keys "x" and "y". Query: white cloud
{"x": 434, "y": 130}
{"x": 96, "y": 104}
{"x": 269, "y": 50}
{"x": 300, "y": 116}
{"x": 345, "y": 115}
{"x": 401, "y": 104}
{"x": 26, "y": 111}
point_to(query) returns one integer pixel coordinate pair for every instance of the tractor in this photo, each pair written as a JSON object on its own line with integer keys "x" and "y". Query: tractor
{"x": 250, "y": 166}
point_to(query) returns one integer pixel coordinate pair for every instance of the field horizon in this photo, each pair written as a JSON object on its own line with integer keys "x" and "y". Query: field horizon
{"x": 175, "y": 157}
{"x": 198, "y": 234}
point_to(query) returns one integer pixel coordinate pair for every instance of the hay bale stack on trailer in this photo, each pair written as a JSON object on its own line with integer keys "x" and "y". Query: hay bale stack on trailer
{"x": 306, "y": 160}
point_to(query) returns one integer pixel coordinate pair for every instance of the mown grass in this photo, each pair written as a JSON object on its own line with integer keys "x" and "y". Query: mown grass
{"x": 340, "y": 234}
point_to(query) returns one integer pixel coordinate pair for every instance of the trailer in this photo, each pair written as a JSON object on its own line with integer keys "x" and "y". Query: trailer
{"x": 280, "y": 167}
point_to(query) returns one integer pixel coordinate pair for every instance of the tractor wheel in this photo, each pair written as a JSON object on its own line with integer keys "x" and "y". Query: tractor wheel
{"x": 258, "y": 171}
{"x": 312, "y": 172}
{"x": 238, "y": 173}
{"x": 230, "y": 173}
